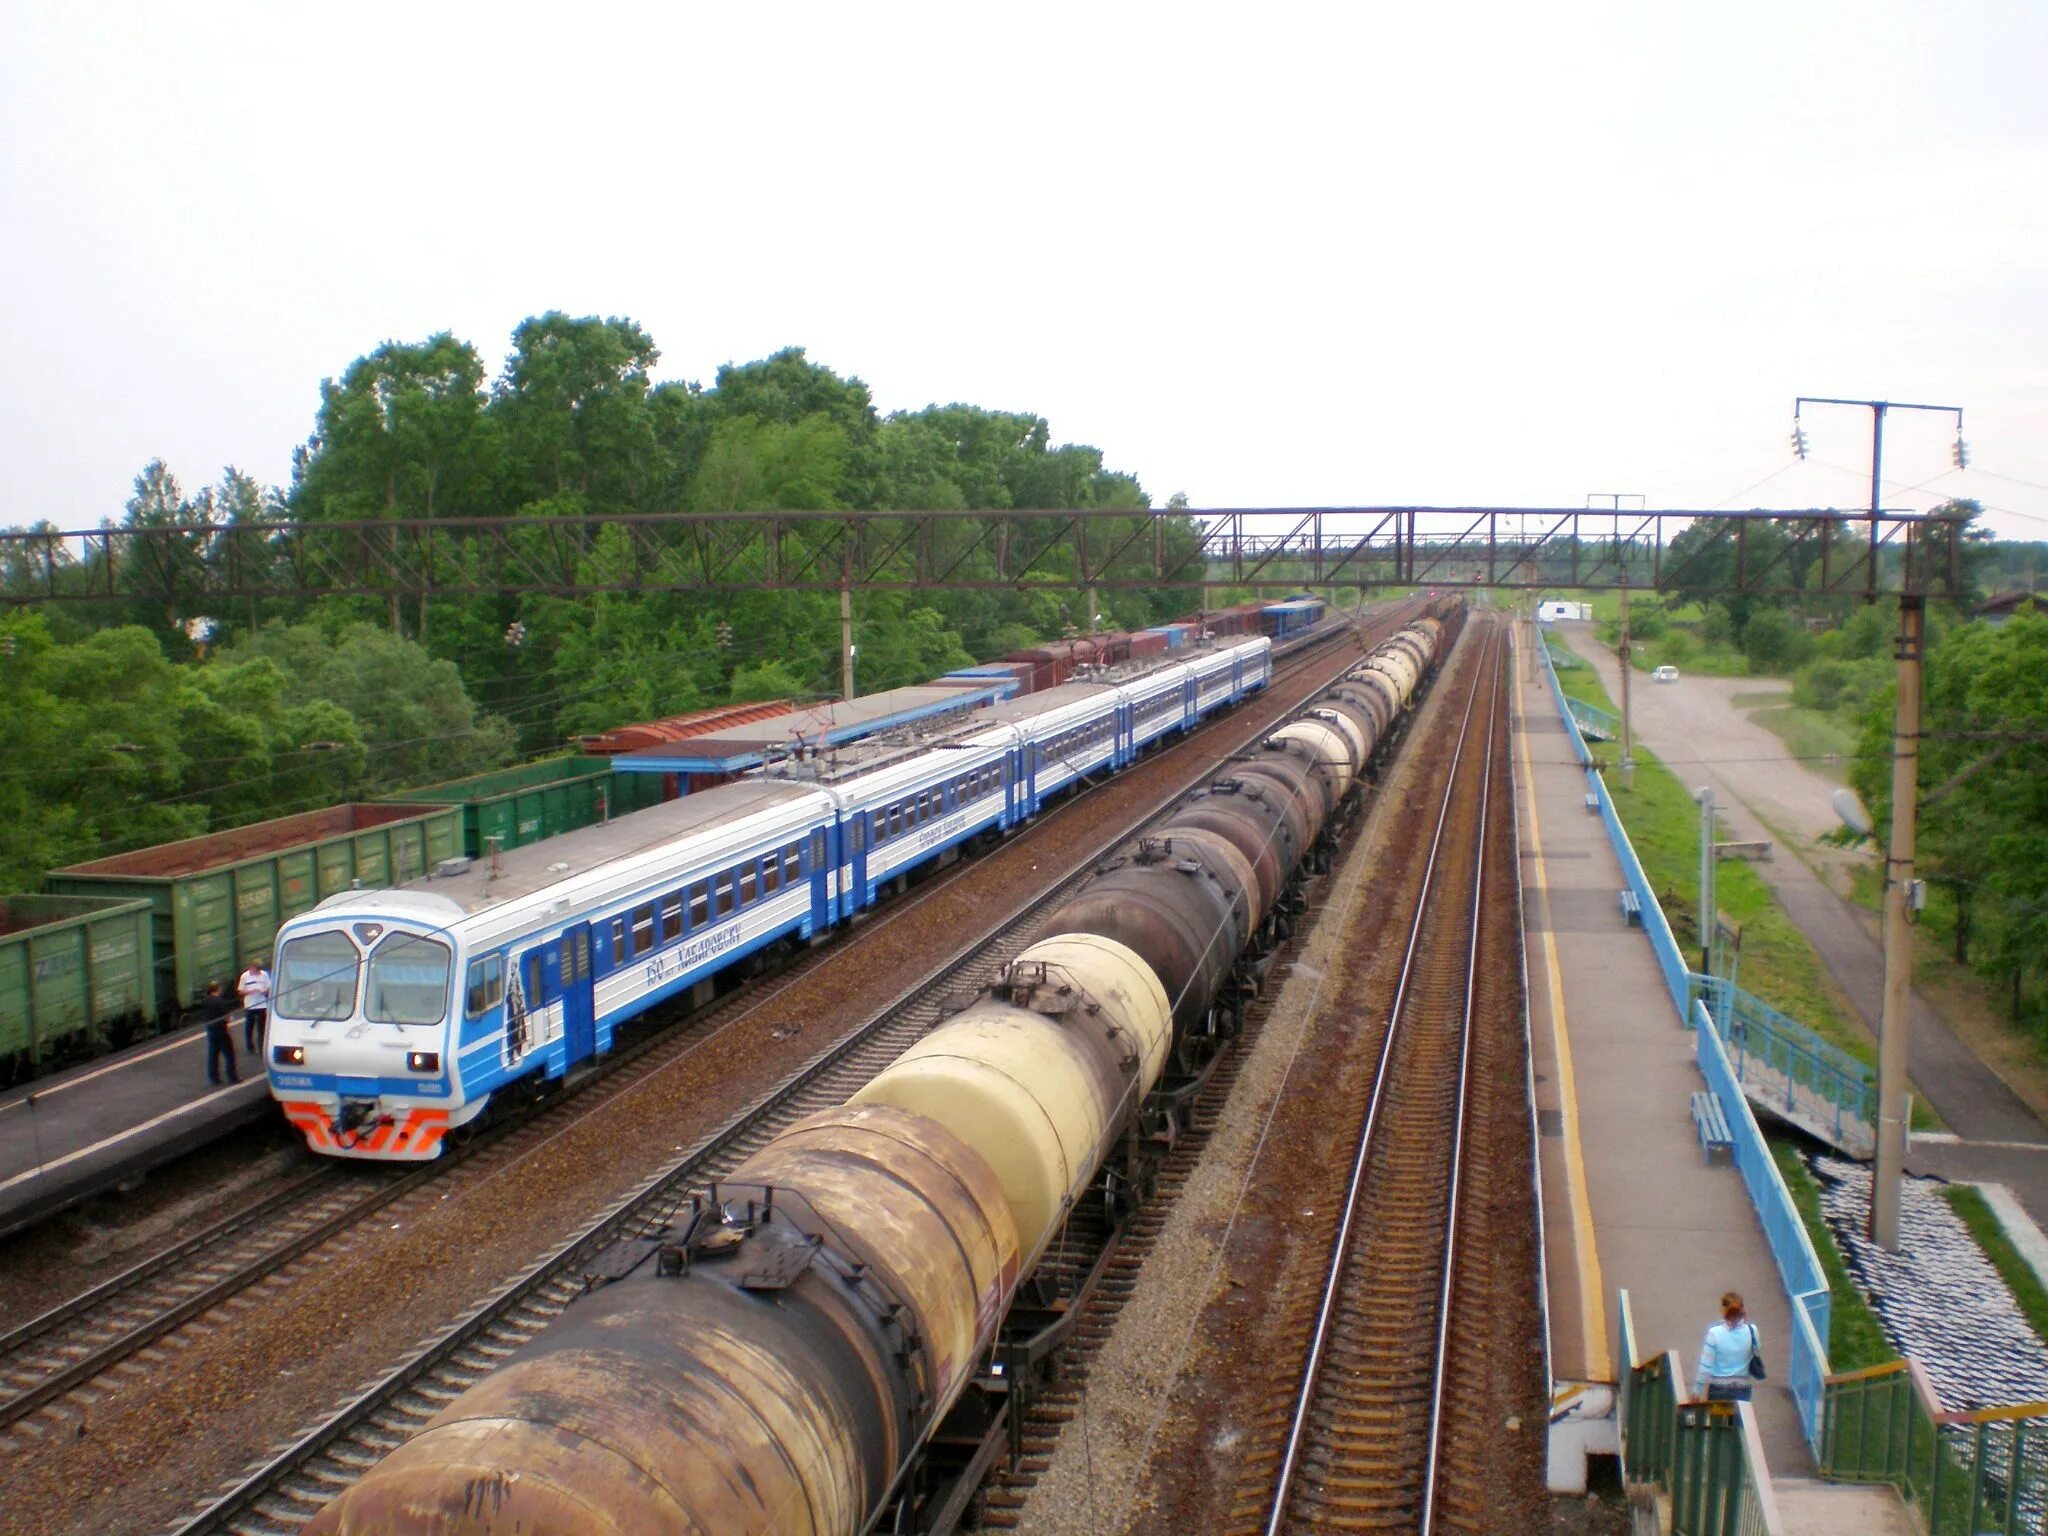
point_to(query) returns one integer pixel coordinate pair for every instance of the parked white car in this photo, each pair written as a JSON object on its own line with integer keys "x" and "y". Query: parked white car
{"x": 1666, "y": 674}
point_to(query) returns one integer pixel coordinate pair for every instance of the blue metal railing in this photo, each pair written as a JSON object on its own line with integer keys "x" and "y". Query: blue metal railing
{"x": 1755, "y": 1032}
{"x": 1592, "y": 720}
{"x": 1798, "y": 1265}
{"x": 1806, "y": 1283}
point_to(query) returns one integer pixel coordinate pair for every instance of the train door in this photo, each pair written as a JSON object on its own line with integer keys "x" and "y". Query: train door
{"x": 858, "y": 832}
{"x": 579, "y": 1002}
{"x": 822, "y": 852}
{"x": 529, "y": 986}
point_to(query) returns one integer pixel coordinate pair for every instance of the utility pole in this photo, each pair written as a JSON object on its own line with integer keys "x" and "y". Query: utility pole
{"x": 846, "y": 640}
{"x": 1628, "y": 750}
{"x": 846, "y": 612}
{"x": 1893, "y": 1104}
{"x": 1709, "y": 901}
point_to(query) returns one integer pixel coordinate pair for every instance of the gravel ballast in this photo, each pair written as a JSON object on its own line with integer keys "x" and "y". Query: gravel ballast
{"x": 193, "y": 1412}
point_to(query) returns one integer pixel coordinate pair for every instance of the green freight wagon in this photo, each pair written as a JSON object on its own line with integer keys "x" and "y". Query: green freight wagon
{"x": 522, "y": 805}
{"x": 75, "y": 977}
{"x": 216, "y": 900}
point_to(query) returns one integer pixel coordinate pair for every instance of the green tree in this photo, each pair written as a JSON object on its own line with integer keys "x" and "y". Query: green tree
{"x": 1983, "y": 784}
{"x": 413, "y": 716}
{"x": 573, "y": 405}
{"x": 402, "y": 434}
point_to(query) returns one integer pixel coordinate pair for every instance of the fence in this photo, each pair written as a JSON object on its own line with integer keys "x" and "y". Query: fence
{"x": 1806, "y": 1285}
{"x": 1663, "y": 944}
{"x": 1963, "y": 1473}
{"x": 1705, "y": 1456}
{"x": 1818, "y": 1085}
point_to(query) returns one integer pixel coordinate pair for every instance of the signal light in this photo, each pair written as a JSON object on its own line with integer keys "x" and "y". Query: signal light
{"x": 423, "y": 1061}
{"x": 288, "y": 1055}
{"x": 1959, "y": 451}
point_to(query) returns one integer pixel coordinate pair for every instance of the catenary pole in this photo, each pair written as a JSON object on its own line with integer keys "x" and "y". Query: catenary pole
{"x": 1892, "y": 1044}
{"x": 1898, "y": 937}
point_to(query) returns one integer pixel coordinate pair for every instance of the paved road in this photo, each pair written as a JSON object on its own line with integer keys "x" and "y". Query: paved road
{"x": 1703, "y": 738}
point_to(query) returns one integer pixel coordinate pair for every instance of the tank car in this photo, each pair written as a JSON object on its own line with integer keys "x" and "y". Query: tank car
{"x": 779, "y": 1362}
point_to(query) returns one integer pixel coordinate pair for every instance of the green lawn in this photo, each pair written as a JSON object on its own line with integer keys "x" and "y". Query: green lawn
{"x": 1820, "y": 741}
{"x": 1778, "y": 964}
{"x": 1855, "y": 1338}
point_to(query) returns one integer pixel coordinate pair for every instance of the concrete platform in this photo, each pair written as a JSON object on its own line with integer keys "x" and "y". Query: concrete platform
{"x": 74, "y": 1134}
{"x": 1629, "y": 1200}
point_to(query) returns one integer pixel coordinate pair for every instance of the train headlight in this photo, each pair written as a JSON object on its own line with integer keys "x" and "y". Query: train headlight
{"x": 288, "y": 1055}
{"x": 423, "y": 1061}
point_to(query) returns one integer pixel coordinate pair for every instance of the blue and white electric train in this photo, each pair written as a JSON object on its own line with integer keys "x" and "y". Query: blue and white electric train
{"x": 398, "y": 1014}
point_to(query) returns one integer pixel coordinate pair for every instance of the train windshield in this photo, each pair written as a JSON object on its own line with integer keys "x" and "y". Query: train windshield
{"x": 316, "y": 977}
{"x": 408, "y": 981}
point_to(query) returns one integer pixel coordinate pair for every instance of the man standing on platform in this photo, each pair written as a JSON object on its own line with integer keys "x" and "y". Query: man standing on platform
{"x": 255, "y": 989}
{"x": 220, "y": 1044}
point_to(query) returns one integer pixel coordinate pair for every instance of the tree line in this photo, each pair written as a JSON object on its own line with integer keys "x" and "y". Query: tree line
{"x": 131, "y": 721}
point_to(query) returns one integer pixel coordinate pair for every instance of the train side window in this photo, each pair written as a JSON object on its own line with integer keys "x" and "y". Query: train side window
{"x": 533, "y": 979}
{"x": 771, "y": 874}
{"x": 721, "y": 895}
{"x": 700, "y": 905}
{"x": 818, "y": 848}
{"x": 750, "y": 878}
{"x": 486, "y": 985}
{"x": 671, "y": 918}
{"x": 618, "y": 940}
{"x": 582, "y": 954}
{"x": 857, "y": 836}
{"x": 792, "y": 861}
{"x": 895, "y": 818}
{"x": 643, "y": 929}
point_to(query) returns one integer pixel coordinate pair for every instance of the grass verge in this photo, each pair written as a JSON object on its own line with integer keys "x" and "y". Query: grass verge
{"x": 1968, "y": 1202}
{"x": 1778, "y": 964}
{"x": 1855, "y": 1337}
{"x": 1820, "y": 741}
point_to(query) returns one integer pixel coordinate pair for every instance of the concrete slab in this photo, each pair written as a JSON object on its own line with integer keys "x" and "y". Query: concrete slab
{"x": 1809, "y": 1507}
{"x": 1629, "y": 1200}
{"x": 66, "y": 1137}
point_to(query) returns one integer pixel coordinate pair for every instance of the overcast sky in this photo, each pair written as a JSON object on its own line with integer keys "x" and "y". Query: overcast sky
{"x": 1273, "y": 255}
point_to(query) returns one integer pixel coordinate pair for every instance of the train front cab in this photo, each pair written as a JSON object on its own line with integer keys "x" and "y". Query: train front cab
{"x": 357, "y": 1048}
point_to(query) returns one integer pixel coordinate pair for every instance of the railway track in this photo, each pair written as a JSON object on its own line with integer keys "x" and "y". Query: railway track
{"x": 285, "y": 1492}
{"x": 78, "y": 1343}
{"x": 1376, "y": 1415}
{"x": 79, "y": 1340}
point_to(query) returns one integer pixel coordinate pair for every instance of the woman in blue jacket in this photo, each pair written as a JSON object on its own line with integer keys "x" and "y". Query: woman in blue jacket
{"x": 1725, "y": 1375}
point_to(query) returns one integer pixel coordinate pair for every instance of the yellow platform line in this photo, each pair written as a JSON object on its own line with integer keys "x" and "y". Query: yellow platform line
{"x": 1592, "y": 1293}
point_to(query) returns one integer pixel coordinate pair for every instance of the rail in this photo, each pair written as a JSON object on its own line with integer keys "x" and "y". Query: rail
{"x": 1961, "y": 1473}
{"x": 1335, "y": 1289}
{"x": 279, "y": 1493}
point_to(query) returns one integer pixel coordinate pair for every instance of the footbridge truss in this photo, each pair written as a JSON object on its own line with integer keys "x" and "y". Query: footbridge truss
{"x": 1815, "y": 552}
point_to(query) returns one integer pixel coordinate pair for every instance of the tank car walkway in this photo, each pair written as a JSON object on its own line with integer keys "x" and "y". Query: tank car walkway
{"x": 66, "y": 1137}
{"x": 1629, "y": 1200}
